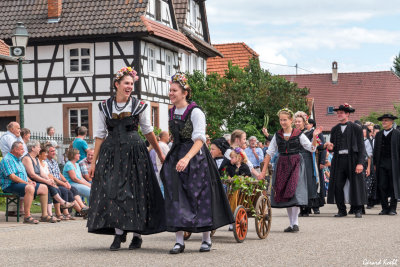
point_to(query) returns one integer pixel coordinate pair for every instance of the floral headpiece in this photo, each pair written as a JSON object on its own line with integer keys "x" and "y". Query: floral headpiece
{"x": 180, "y": 78}
{"x": 238, "y": 150}
{"x": 127, "y": 71}
{"x": 285, "y": 110}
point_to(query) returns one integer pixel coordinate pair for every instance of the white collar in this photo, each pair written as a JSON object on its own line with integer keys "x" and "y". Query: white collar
{"x": 385, "y": 132}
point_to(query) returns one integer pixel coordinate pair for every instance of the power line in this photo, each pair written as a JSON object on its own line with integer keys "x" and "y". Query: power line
{"x": 290, "y": 66}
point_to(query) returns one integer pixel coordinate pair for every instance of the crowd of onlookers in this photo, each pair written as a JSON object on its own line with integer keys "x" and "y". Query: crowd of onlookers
{"x": 29, "y": 168}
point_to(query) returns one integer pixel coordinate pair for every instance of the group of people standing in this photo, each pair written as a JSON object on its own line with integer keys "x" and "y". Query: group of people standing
{"x": 126, "y": 196}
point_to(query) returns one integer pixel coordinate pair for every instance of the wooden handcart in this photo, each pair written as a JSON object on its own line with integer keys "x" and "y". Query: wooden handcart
{"x": 245, "y": 203}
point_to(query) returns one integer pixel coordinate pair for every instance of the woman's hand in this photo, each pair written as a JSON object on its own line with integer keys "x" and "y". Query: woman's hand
{"x": 91, "y": 170}
{"x": 182, "y": 164}
{"x": 359, "y": 168}
{"x": 261, "y": 176}
{"x": 367, "y": 172}
{"x": 317, "y": 131}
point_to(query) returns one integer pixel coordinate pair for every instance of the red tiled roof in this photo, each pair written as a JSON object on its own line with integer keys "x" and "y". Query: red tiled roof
{"x": 365, "y": 91}
{"x": 238, "y": 53}
{"x": 4, "y": 48}
{"x": 165, "y": 32}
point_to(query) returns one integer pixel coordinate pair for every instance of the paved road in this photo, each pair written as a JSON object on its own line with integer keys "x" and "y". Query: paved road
{"x": 322, "y": 241}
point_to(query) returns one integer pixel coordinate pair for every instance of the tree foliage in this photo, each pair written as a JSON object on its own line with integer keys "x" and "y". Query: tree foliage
{"x": 396, "y": 65}
{"x": 374, "y": 115}
{"x": 242, "y": 97}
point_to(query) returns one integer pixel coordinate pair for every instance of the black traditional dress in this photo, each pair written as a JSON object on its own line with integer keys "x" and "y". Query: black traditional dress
{"x": 125, "y": 193}
{"x": 195, "y": 200}
{"x": 344, "y": 165}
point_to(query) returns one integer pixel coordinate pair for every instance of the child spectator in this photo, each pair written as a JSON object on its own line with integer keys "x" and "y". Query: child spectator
{"x": 238, "y": 164}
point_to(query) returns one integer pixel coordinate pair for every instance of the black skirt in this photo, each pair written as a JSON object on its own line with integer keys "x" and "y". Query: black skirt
{"x": 125, "y": 193}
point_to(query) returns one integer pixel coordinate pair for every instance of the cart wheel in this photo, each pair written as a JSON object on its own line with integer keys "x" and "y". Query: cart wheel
{"x": 263, "y": 216}
{"x": 186, "y": 235}
{"x": 212, "y": 233}
{"x": 241, "y": 224}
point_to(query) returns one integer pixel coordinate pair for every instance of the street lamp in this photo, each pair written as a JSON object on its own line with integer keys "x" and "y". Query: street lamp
{"x": 20, "y": 40}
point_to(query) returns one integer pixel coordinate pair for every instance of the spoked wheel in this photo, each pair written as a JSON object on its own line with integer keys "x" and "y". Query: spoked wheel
{"x": 186, "y": 235}
{"x": 240, "y": 226}
{"x": 212, "y": 233}
{"x": 263, "y": 216}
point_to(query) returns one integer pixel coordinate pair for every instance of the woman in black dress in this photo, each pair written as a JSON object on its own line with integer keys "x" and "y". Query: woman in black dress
{"x": 195, "y": 200}
{"x": 125, "y": 195}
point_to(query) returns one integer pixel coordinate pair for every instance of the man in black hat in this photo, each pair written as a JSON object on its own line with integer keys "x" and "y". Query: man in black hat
{"x": 218, "y": 148}
{"x": 347, "y": 143}
{"x": 387, "y": 164}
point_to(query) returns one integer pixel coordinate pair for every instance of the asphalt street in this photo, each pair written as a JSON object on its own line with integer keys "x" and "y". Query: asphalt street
{"x": 322, "y": 241}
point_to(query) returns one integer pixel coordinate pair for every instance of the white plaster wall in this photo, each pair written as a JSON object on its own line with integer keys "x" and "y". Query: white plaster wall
{"x": 102, "y": 49}
{"x": 163, "y": 120}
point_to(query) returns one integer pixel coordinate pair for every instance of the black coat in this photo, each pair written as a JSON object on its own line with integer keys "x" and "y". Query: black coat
{"x": 395, "y": 152}
{"x": 355, "y": 141}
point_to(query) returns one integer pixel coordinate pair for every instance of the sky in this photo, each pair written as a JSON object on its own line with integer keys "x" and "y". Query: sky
{"x": 361, "y": 35}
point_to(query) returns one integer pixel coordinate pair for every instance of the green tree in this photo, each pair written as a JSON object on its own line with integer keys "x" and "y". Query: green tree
{"x": 374, "y": 115}
{"x": 396, "y": 65}
{"x": 240, "y": 99}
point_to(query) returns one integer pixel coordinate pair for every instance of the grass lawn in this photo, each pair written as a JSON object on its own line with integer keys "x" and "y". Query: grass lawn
{"x": 34, "y": 209}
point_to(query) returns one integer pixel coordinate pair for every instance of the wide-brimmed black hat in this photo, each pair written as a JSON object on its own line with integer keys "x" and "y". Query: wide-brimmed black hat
{"x": 387, "y": 116}
{"x": 346, "y": 108}
{"x": 221, "y": 143}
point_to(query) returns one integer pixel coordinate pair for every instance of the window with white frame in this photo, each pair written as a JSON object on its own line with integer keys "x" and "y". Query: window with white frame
{"x": 78, "y": 117}
{"x": 151, "y": 8}
{"x": 195, "y": 62}
{"x": 151, "y": 52}
{"x": 193, "y": 15}
{"x": 168, "y": 64}
{"x": 187, "y": 62}
{"x": 79, "y": 60}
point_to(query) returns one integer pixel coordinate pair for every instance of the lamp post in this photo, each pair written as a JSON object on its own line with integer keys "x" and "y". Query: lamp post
{"x": 20, "y": 39}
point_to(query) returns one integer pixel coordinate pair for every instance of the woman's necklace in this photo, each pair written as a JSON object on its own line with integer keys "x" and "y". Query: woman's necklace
{"x": 121, "y": 108}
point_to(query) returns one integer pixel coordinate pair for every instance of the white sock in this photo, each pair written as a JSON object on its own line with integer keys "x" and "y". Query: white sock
{"x": 289, "y": 213}
{"x": 179, "y": 238}
{"x": 118, "y": 231}
{"x": 295, "y": 215}
{"x": 207, "y": 237}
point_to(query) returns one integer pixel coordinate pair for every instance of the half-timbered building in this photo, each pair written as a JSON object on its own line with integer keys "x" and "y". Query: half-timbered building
{"x": 76, "y": 46}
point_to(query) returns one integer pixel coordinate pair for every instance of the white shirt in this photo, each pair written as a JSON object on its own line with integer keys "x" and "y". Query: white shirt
{"x": 164, "y": 149}
{"x": 144, "y": 121}
{"x": 368, "y": 148}
{"x": 6, "y": 142}
{"x": 304, "y": 141}
{"x": 199, "y": 123}
{"x": 387, "y": 132}
{"x": 343, "y": 127}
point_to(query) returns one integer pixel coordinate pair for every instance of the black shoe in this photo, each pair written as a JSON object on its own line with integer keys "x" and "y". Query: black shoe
{"x": 316, "y": 211}
{"x": 205, "y": 249}
{"x": 392, "y": 212}
{"x": 116, "y": 245}
{"x": 306, "y": 214}
{"x": 136, "y": 243}
{"x": 351, "y": 211}
{"x": 358, "y": 215}
{"x": 295, "y": 228}
{"x": 177, "y": 250}
{"x": 288, "y": 230}
{"x": 340, "y": 214}
{"x": 301, "y": 214}
{"x": 384, "y": 212}
{"x": 370, "y": 207}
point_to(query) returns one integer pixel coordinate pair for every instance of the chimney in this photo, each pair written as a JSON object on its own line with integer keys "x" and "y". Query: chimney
{"x": 54, "y": 8}
{"x": 334, "y": 72}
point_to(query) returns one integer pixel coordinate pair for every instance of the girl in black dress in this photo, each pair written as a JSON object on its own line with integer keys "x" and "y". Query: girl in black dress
{"x": 195, "y": 200}
{"x": 125, "y": 195}
{"x": 238, "y": 165}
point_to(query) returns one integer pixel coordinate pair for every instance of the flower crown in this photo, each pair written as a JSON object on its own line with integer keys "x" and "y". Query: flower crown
{"x": 127, "y": 71}
{"x": 238, "y": 150}
{"x": 180, "y": 78}
{"x": 285, "y": 110}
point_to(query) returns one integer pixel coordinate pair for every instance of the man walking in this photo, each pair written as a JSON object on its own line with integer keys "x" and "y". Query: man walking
{"x": 387, "y": 164}
{"x": 347, "y": 164}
